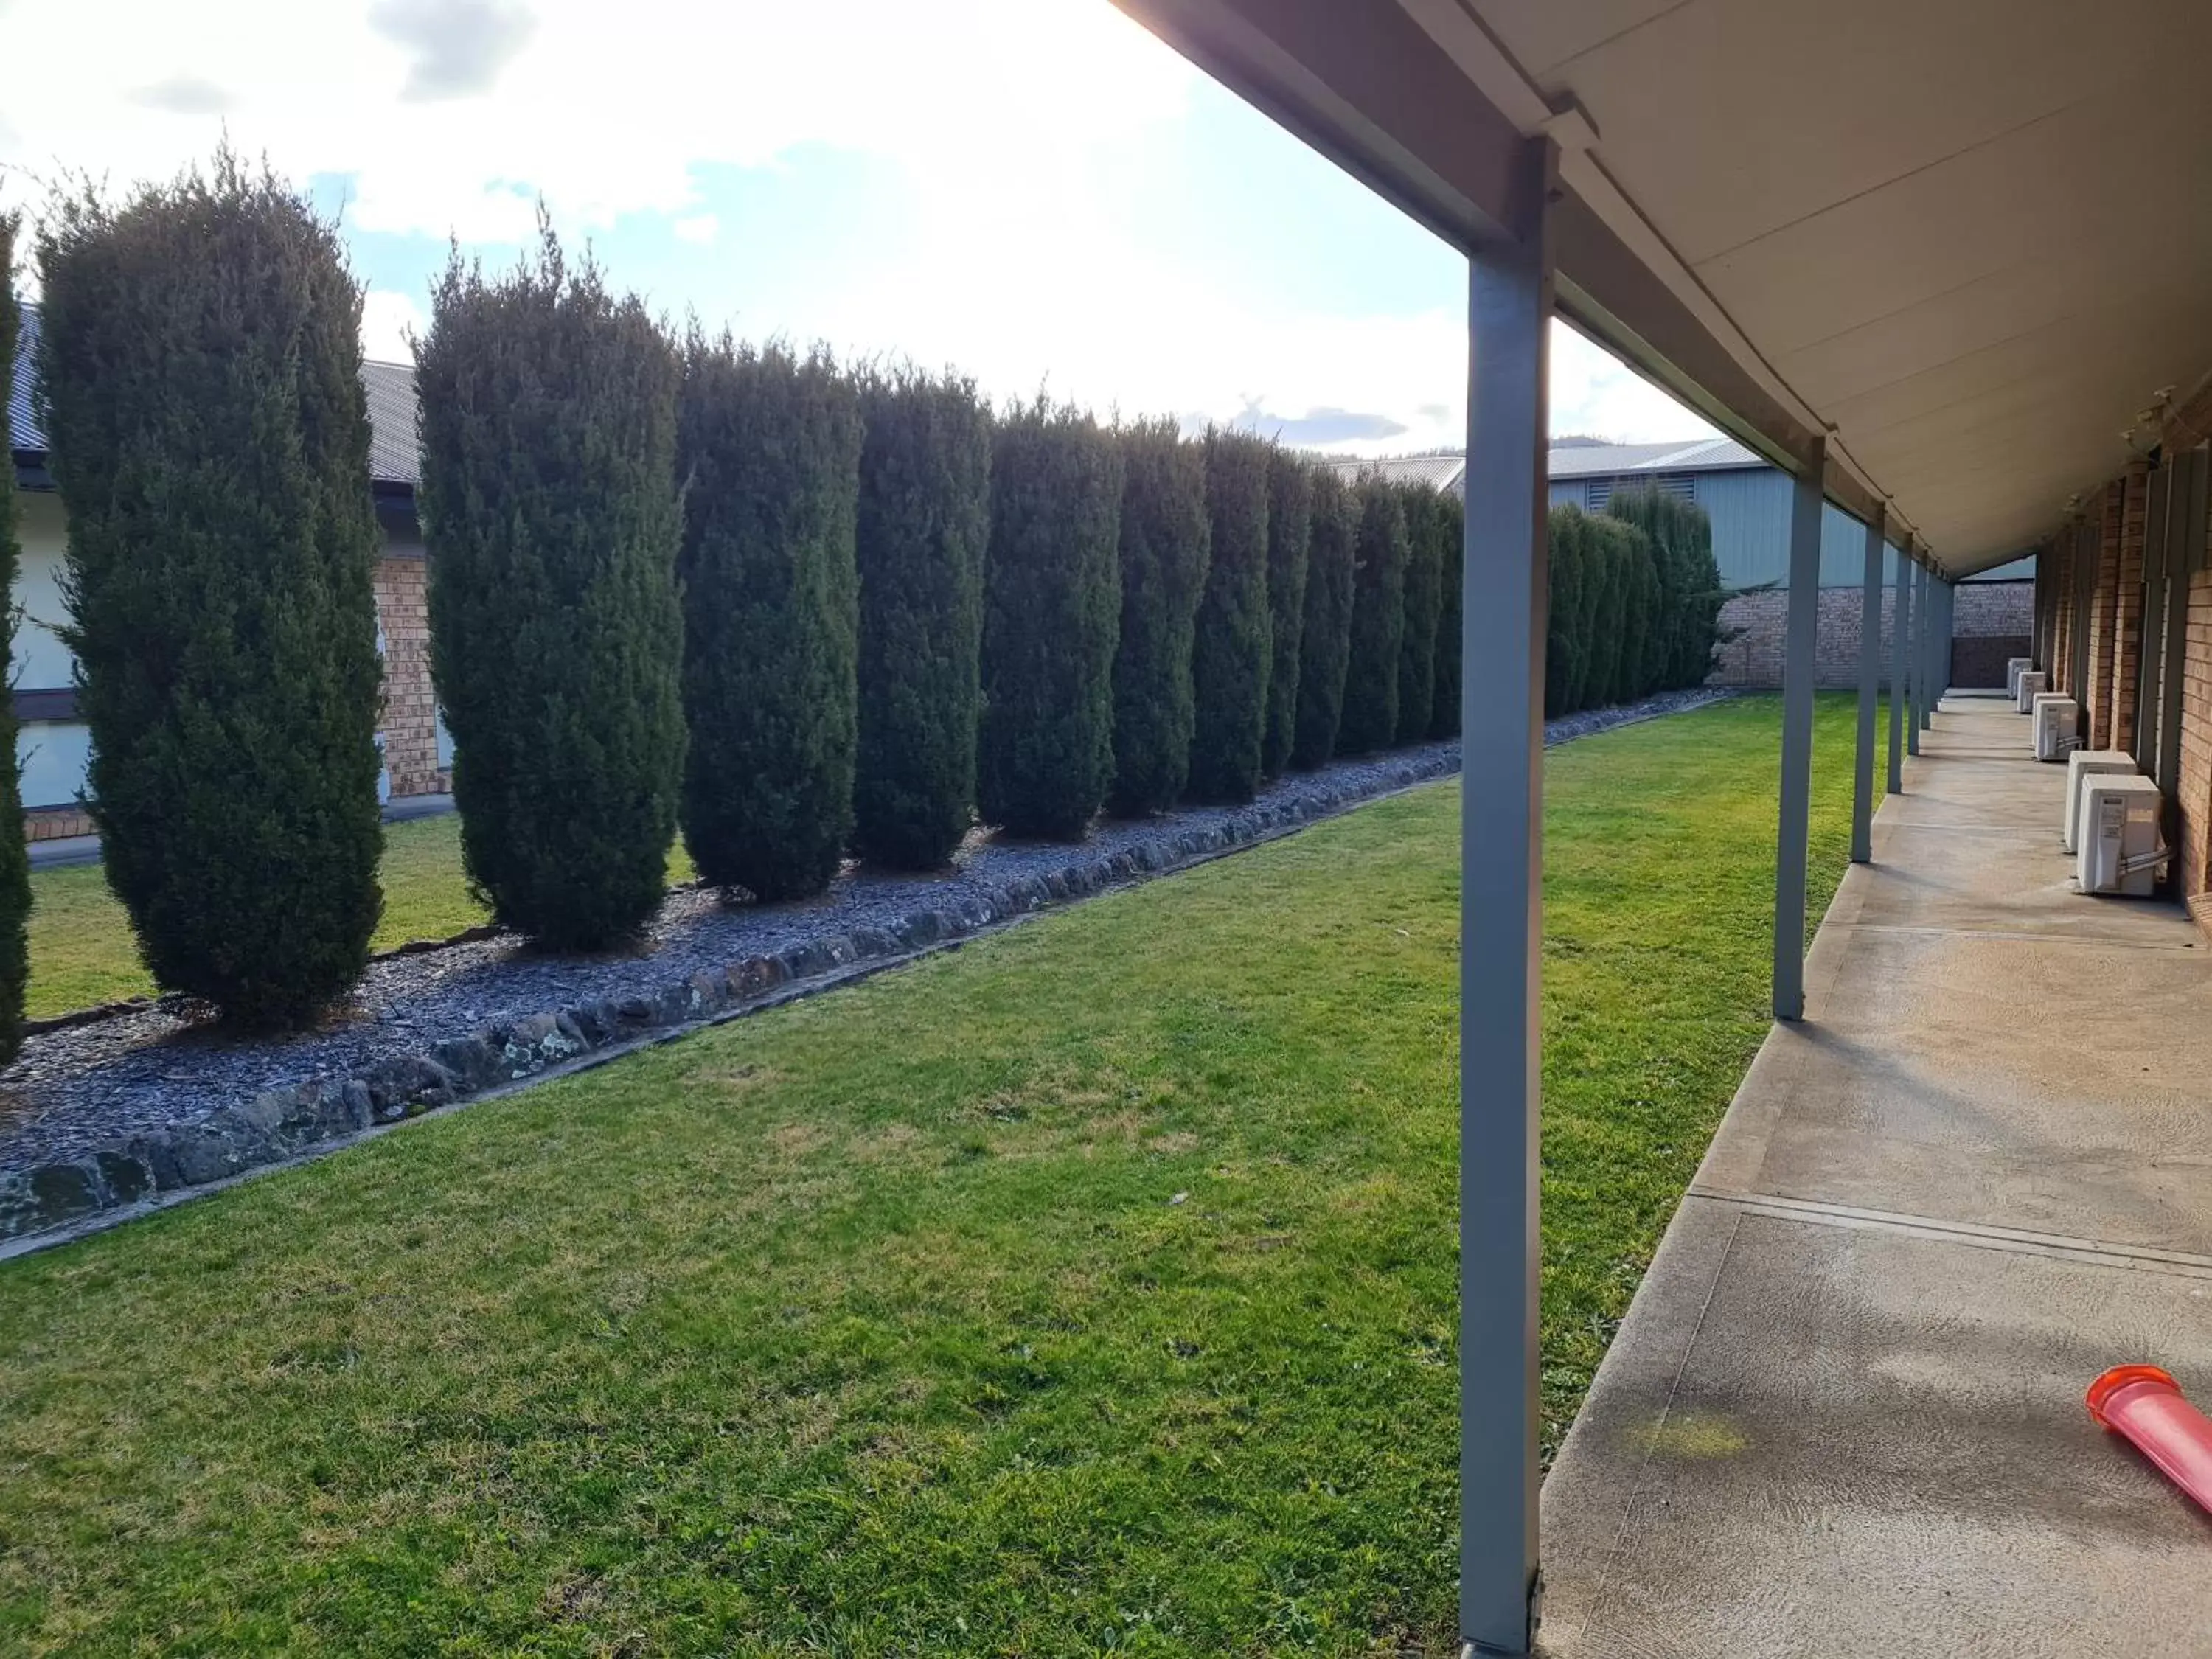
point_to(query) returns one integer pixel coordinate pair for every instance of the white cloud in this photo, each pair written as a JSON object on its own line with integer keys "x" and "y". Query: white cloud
{"x": 1010, "y": 124}
{"x": 1594, "y": 394}
{"x": 387, "y": 318}
{"x": 604, "y": 117}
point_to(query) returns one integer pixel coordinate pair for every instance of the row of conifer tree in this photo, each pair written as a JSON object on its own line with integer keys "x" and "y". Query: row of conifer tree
{"x": 788, "y": 609}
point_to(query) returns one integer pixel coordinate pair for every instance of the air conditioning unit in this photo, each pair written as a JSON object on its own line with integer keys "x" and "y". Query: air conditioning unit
{"x": 2057, "y": 726}
{"x": 2033, "y": 682}
{"x": 2014, "y": 667}
{"x": 2119, "y": 848}
{"x": 2082, "y": 764}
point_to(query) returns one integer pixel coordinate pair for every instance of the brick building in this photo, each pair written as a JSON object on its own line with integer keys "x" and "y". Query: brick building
{"x": 52, "y": 745}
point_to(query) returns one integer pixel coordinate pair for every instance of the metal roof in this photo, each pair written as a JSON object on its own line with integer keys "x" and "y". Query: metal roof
{"x": 1611, "y": 460}
{"x": 1439, "y": 470}
{"x": 394, "y": 456}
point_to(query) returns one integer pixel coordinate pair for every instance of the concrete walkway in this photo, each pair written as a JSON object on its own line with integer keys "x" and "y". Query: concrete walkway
{"x": 1844, "y": 1414}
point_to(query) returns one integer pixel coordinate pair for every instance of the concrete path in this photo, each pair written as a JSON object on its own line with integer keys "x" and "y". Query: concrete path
{"x": 1845, "y": 1413}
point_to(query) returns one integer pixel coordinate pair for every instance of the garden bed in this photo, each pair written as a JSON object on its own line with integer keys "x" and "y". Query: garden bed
{"x": 112, "y": 1113}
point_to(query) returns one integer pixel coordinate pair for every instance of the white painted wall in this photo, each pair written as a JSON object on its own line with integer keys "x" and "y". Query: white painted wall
{"x": 53, "y": 755}
{"x": 41, "y": 662}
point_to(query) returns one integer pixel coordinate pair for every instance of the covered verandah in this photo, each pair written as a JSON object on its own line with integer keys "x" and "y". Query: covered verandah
{"x": 1945, "y": 262}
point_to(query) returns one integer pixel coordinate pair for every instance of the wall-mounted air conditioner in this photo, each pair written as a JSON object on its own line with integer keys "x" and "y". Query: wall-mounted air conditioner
{"x": 2119, "y": 848}
{"x": 2014, "y": 667}
{"x": 2080, "y": 765}
{"x": 2034, "y": 683}
{"x": 2057, "y": 726}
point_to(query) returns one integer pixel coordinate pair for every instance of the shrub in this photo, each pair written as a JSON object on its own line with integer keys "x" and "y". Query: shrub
{"x": 767, "y": 445}
{"x": 1232, "y": 652}
{"x": 1378, "y": 618}
{"x": 1325, "y": 632}
{"x": 1289, "y": 531}
{"x": 1166, "y": 536}
{"x": 1417, "y": 643}
{"x": 1052, "y": 612}
{"x": 1608, "y": 552}
{"x": 201, "y": 371}
{"x": 1451, "y": 554}
{"x": 925, "y": 516}
{"x": 1689, "y": 594}
{"x": 15, "y": 858}
{"x": 1567, "y": 642}
{"x": 550, "y": 502}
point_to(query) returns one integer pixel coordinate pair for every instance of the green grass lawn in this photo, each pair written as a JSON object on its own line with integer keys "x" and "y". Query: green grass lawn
{"x": 1088, "y": 1289}
{"x": 81, "y": 951}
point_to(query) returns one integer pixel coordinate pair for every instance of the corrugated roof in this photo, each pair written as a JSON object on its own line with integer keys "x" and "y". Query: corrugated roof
{"x": 394, "y": 451}
{"x": 23, "y": 431}
{"x": 1440, "y": 470}
{"x": 1614, "y": 460}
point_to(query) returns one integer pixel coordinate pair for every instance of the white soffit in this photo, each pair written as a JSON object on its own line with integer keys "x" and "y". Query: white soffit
{"x": 1973, "y": 236}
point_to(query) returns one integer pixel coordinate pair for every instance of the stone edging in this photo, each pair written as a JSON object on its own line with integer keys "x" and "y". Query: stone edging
{"x": 58, "y": 1202}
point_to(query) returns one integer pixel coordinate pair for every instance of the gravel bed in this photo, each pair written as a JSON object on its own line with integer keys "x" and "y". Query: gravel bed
{"x": 95, "y": 1097}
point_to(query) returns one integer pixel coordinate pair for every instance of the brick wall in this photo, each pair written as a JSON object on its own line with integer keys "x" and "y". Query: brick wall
{"x": 2002, "y": 612}
{"x": 2127, "y": 647}
{"x": 410, "y": 723}
{"x": 2194, "y": 794}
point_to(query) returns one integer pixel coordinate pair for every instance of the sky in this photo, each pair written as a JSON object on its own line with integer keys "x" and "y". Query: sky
{"x": 1034, "y": 191}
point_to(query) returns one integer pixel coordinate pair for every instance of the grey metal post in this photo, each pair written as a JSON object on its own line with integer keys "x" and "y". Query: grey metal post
{"x": 1504, "y": 586}
{"x": 1900, "y": 669}
{"x": 1869, "y": 676}
{"x": 2149, "y": 681}
{"x": 1931, "y": 686}
{"x": 1946, "y": 611}
{"x": 2185, "y": 540}
{"x": 1919, "y": 669}
{"x": 2087, "y": 552}
{"x": 1798, "y": 664}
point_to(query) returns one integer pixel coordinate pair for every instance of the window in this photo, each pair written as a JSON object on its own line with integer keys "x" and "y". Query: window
{"x": 1596, "y": 493}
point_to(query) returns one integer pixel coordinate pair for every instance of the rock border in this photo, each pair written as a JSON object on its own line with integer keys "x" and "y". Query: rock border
{"x": 59, "y": 1201}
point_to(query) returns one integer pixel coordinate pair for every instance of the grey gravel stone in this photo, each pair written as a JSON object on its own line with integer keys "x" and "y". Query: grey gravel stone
{"x": 125, "y": 1083}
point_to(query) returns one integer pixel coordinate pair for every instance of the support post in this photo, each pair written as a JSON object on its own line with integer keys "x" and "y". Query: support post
{"x": 1939, "y": 682}
{"x": 1869, "y": 689}
{"x": 2149, "y": 682}
{"x": 1919, "y": 669}
{"x": 2086, "y": 534}
{"x": 1931, "y": 688}
{"x": 2184, "y": 541}
{"x": 1900, "y": 667}
{"x": 1506, "y": 589}
{"x": 1798, "y": 664}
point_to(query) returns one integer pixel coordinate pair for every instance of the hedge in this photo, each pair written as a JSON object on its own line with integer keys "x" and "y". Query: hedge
{"x": 550, "y": 503}
{"x": 767, "y": 445}
{"x": 1052, "y": 613}
{"x": 1166, "y": 537}
{"x": 14, "y": 857}
{"x": 1325, "y": 630}
{"x": 1451, "y": 553}
{"x": 925, "y": 517}
{"x": 1630, "y": 615}
{"x": 1370, "y": 719}
{"x": 207, "y": 427}
{"x": 1690, "y": 595}
{"x": 1417, "y": 646}
{"x": 1232, "y": 652}
{"x": 1289, "y": 531}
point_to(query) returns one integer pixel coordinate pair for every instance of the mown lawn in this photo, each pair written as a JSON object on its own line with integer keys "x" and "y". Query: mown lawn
{"x": 1090, "y": 1289}
{"x": 82, "y": 954}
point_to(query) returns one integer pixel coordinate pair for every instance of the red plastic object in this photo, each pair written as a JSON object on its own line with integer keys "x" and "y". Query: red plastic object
{"x": 2147, "y": 1406}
